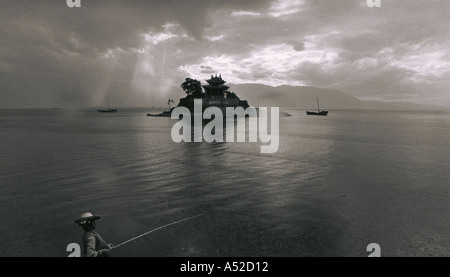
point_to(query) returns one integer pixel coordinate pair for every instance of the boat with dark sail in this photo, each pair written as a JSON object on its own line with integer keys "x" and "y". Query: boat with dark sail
{"x": 319, "y": 112}
{"x": 109, "y": 110}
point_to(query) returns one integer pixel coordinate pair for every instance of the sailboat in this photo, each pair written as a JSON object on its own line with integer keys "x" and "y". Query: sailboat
{"x": 109, "y": 110}
{"x": 319, "y": 112}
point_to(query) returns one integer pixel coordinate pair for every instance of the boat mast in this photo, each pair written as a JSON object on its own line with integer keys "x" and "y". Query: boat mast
{"x": 318, "y": 107}
{"x": 107, "y": 99}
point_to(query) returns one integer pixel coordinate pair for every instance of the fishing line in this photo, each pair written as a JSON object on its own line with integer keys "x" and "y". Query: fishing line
{"x": 154, "y": 230}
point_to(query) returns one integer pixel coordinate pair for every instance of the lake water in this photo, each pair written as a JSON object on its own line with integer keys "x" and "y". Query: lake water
{"x": 336, "y": 184}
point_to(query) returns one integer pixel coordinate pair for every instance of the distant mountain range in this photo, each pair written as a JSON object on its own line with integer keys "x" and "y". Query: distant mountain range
{"x": 305, "y": 98}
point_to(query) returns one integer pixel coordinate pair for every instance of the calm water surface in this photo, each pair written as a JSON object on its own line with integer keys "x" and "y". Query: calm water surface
{"x": 336, "y": 184}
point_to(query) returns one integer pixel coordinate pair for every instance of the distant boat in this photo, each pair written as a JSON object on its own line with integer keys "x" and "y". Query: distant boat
{"x": 319, "y": 112}
{"x": 109, "y": 110}
{"x": 163, "y": 114}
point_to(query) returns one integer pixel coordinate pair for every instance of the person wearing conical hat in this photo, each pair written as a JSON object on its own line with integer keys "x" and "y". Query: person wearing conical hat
{"x": 93, "y": 244}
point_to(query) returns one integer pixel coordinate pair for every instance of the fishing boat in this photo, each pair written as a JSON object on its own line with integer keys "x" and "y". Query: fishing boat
{"x": 319, "y": 112}
{"x": 109, "y": 110}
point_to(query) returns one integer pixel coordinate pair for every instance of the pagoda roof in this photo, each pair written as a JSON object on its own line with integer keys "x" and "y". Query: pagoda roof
{"x": 216, "y": 80}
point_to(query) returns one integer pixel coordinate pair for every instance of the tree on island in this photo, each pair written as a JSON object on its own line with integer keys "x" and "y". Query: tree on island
{"x": 169, "y": 102}
{"x": 232, "y": 95}
{"x": 193, "y": 88}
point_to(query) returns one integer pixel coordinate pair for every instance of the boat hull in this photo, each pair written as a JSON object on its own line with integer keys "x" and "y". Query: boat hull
{"x": 321, "y": 113}
{"x": 107, "y": 111}
{"x": 164, "y": 114}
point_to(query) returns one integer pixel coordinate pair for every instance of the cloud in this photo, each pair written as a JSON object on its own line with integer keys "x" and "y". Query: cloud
{"x": 400, "y": 49}
{"x": 139, "y": 51}
{"x": 298, "y": 46}
{"x": 54, "y": 55}
{"x": 283, "y": 8}
{"x": 207, "y": 70}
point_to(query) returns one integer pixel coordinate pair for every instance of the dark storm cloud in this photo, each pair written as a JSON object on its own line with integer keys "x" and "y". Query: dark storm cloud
{"x": 131, "y": 50}
{"x": 398, "y": 49}
{"x": 106, "y": 23}
{"x": 51, "y": 54}
{"x": 298, "y": 46}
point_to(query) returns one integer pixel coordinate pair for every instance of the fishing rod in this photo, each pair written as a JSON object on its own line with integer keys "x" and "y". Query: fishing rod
{"x": 151, "y": 231}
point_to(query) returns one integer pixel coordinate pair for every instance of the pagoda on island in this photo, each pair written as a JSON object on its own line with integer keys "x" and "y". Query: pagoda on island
{"x": 215, "y": 94}
{"x": 216, "y": 88}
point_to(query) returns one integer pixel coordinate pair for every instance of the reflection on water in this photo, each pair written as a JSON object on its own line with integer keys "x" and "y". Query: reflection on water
{"x": 335, "y": 185}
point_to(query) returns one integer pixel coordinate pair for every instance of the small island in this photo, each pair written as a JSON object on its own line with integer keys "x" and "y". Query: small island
{"x": 214, "y": 94}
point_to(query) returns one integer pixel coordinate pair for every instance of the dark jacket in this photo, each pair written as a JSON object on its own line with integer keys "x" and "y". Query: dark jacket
{"x": 93, "y": 243}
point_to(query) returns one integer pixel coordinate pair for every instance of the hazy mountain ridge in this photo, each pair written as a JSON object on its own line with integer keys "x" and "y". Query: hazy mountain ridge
{"x": 305, "y": 98}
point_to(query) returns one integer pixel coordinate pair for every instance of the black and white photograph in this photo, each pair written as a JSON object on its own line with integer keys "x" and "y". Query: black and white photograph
{"x": 224, "y": 129}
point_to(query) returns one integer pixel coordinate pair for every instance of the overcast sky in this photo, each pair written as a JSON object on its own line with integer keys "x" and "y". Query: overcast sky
{"x": 137, "y": 51}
